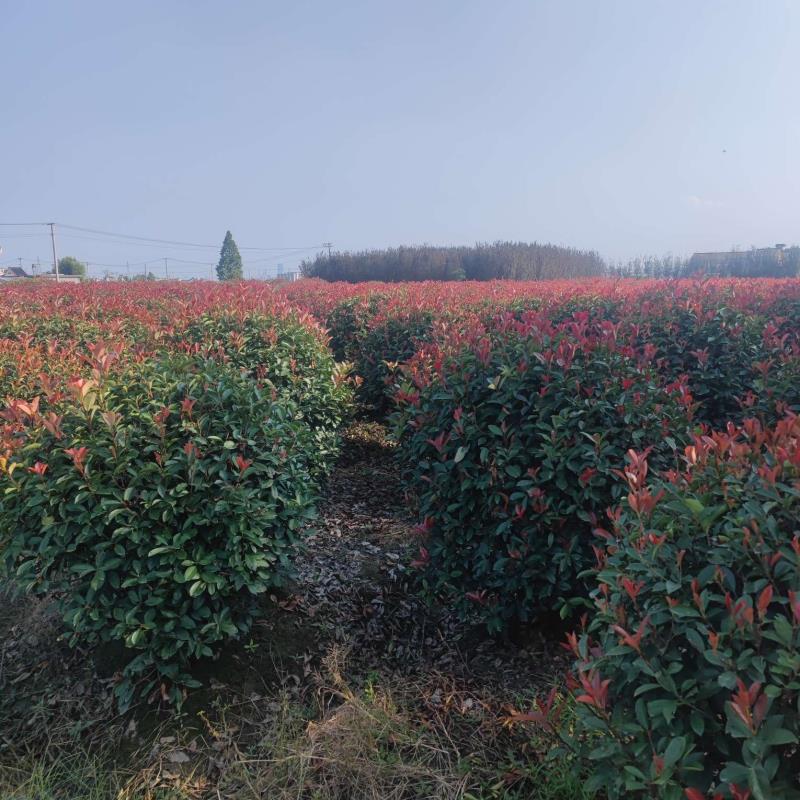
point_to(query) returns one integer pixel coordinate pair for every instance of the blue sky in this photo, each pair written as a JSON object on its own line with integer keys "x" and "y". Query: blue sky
{"x": 629, "y": 127}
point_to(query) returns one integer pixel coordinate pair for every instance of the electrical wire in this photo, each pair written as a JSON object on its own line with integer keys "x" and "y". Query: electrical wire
{"x": 63, "y": 226}
{"x": 176, "y": 265}
{"x": 170, "y": 241}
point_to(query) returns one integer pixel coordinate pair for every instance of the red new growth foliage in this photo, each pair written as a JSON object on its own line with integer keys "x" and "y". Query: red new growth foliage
{"x": 191, "y": 450}
{"x": 78, "y": 456}
{"x": 633, "y": 641}
{"x": 595, "y": 689}
{"x": 794, "y": 602}
{"x": 187, "y": 404}
{"x": 764, "y": 599}
{"x": 632, "y": 588}
{"x": 243, "y": 463}
{"x": 749, "y": 704}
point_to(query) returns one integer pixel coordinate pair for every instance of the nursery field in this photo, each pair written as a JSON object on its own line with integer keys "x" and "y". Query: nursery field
{"x": 431, "y": 540}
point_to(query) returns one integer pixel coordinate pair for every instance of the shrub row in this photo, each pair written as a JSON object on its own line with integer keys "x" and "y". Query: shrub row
{"x": 511, "y": 440}
{"x": 735, "y": 340}
{"x": 688, "y": 675}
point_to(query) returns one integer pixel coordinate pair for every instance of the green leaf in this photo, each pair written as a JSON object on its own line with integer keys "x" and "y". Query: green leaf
{"x": 665, "y": 708}
{"x": 698, "y": 723}
{"x": 674, "y": 751}
{"x": 694, "y": 505}
{"x": 778, "y": 736}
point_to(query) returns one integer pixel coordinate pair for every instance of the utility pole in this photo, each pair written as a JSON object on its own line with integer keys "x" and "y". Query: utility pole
{"x": 128, "y": 269}
{"x": 166, "y": 269}
{"x": 328, "y": 245}
{"x": 55, "y": 257}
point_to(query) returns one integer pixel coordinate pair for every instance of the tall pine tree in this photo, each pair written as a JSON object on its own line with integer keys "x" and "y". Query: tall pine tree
{"x": 229, "y": 267}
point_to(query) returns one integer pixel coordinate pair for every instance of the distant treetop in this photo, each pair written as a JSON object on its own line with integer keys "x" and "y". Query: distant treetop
{"x": 71, "y": 266}
{"x": 509, "y": 260}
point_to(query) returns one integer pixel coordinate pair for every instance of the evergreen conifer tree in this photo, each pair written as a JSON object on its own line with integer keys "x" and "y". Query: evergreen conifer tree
{"x": 229, "y": 267}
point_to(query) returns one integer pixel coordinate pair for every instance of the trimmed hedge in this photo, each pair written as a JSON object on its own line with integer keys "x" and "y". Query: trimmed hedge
{"x": 688, "y": 676}
{"x": 287, "y": 357}
{"x": 156, "y": 505}
{"x": 510, "y": 441}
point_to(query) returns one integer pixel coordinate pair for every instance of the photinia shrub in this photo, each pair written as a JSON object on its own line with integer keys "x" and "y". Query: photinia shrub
{"x": 510, "y": 442}
{"x": 718, "y": 335}
{"x": 155, "y": 505}
{"x": 391, "y": 339}
{"x": 774, "y": 388}
{"x": 348, "y": 322}
{"x": 688, "y": 676}
{"x": 715, "y": 347}
{"x": 288, "y": 358}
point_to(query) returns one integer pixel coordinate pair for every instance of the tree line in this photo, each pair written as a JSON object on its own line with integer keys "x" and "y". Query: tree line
{"x": 500, "y": 260}
{"x": 765, "y": 262}
{"x": 509, "y": 261}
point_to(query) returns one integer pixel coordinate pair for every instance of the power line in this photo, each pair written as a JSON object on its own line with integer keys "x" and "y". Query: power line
{"x": 126, "y": 264}
{"x": 152, "y": 240}
{"x": 199, "y": 263}
{"x": 280, "y": 252}
{"x": 180, "y": 265}
{"x": 173, "y": 242}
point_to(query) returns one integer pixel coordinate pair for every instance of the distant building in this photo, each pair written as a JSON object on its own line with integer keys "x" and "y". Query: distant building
{"x": 754, "y": 262}
{"x": 18, "y": 273}
{"x": 51, "y": 276}
{"x": 12, "y": 273}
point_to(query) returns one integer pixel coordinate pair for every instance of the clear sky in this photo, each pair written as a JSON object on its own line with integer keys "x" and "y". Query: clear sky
{"x": 626, "y": 126}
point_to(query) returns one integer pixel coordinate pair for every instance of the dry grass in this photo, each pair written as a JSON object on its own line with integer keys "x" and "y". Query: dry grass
{"x": 383, "y": 741}
{"x": 361, "y": 746}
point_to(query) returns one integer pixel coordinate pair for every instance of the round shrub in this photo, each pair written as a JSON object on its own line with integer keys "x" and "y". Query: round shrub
{"x": 347, "y": 323}
{"x": 716, "y": 348}
{"x": 688, "y": 676}
{"x": 290, "y": 358}
{"x": 155, "y": 506}
{"x": 390, "y": 339}
{"x": 511, "y": 441}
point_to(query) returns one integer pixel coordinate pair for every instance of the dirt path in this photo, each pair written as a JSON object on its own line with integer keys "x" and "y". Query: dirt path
{"x": 353, "y": 577}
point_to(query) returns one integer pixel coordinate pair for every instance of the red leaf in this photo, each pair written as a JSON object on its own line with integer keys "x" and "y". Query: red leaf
{"x": 764, "y": 599}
